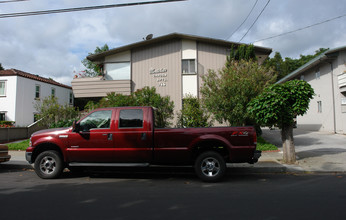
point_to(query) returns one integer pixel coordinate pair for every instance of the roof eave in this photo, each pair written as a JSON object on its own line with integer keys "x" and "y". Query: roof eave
{"x": 99, "y": 58}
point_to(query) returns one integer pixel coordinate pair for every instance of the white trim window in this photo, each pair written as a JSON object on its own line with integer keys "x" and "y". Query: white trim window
{"x": 2, "y": 116}
{"x": 188, "y": 66}
{"x": 2, "y": 88}
{"x": 118, "y": 71}
{"x": 53, "y": 92}
{"x": 317, "y": 74}
{"x": 319, "y": 106}
{"x": 71, "y": 98}
{"x": 37, "y": 91}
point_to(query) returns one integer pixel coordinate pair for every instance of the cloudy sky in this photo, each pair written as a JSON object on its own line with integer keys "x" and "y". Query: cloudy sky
{"x": 53, "y": 45}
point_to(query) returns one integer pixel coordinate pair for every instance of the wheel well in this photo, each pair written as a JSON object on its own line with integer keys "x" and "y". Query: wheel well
{"x": 45, "y": 147}
{"x": 216, "y": 146}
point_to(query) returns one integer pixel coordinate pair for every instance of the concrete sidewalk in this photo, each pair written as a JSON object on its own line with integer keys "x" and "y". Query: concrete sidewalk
{"x": 317, "y": 152}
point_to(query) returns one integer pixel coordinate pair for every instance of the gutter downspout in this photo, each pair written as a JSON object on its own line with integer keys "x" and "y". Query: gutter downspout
{"x": 333, "y": 95}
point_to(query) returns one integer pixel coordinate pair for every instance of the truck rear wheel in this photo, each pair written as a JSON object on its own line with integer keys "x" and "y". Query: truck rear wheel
{"x": 49, "y": 165}
{"x": 210, "y": 166}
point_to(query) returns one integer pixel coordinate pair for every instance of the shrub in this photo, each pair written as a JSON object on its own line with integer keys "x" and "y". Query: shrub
{"x": 192, "y": 114}
{"x": 7, "y": 124}
{"x": 164, "y": 107}
{"x": 51, "y": 112}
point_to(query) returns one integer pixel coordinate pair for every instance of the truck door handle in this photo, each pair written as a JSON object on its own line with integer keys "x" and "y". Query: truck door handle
{"x": 143, "y": 136}
{"x": 109, "y": 136}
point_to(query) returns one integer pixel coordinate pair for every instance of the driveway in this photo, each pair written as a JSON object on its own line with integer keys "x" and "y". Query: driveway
{"x": 315, "y": 151}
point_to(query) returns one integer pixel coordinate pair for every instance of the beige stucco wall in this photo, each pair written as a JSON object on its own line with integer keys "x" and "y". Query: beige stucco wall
{"x": 164, "y": 60}
{"x": 159, "y": 66}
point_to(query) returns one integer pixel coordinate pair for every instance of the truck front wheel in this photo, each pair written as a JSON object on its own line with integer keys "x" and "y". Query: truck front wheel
{"x": 49, "y": 165}
{"x": 210, "y": 166}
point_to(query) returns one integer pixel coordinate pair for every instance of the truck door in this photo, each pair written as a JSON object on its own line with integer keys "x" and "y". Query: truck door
{"x": 133, "y": 139}
{"x": 94, "y": 140}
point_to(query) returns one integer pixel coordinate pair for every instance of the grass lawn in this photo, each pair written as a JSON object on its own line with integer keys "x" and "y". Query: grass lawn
{"x": 19, "y": 146}
{"x": 263, "y": 145}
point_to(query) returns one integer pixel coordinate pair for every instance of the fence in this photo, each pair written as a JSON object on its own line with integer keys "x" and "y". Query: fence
{"x": 12, "y": 134}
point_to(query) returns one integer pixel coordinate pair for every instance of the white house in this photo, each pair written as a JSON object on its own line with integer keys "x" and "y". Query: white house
{"x": 327, "y": 76}
{"x": 19, "y": 91}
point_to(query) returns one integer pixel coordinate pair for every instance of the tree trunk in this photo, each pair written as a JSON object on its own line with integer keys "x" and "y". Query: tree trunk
{"x": 288, "y": 144}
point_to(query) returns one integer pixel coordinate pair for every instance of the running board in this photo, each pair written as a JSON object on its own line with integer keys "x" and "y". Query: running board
{"x": 109, "y": 164}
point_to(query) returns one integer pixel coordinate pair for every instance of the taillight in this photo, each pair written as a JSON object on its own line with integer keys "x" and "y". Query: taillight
{"x": 254, "y": 138}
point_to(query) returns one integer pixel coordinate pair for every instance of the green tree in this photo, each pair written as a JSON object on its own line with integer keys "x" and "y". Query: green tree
{"x": 93, "y": 69}
{"x": 278, "y": 105}
{"x": 193, "y": 114}
{"x": 227, "y": 93}
{"x": 51, "y": 113}
{"x": 1, "y": 68}
{"x": 285, "y": 67}
{"x": 164, "y": 107}
{"x": 242, "y": 52}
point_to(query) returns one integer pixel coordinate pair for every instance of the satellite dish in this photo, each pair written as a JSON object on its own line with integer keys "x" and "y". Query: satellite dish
{"x": 149, "y": 37}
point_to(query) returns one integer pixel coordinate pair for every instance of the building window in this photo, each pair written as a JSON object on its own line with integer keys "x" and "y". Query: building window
{"x": 53, "y": 92}
{"x": 189, "y": 66}
{"x": 71, "y": 98}
{"x": 2, "y": 116}
{"x": 118, "y": 71}
{"x": 317, "y": 74}
{"x": 319, "y": 106}
{"x": 2, "y": 88}
{"x": 37, "y": 91}
{"x": 36, "y": 117}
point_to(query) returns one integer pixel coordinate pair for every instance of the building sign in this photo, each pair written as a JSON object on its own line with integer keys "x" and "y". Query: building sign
{"x": 160, "y": 76}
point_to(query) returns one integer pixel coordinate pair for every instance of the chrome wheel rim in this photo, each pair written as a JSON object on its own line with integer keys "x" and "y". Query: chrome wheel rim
{"x": 210, "y": 167}
{"x": 47, "y": 165}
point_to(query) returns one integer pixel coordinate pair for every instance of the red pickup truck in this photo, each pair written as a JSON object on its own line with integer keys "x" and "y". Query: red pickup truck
{"x": 125, "y": 136}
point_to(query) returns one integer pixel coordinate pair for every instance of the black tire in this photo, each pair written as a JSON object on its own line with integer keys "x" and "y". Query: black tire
{"x": 49, "y": 165}
{"x": 210, "y": 166}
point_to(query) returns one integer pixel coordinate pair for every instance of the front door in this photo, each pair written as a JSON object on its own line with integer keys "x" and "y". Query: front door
{"x": 94, "y": 141}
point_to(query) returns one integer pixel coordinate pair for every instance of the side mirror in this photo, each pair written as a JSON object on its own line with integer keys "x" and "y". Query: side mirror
{"x": 75, "y": 126}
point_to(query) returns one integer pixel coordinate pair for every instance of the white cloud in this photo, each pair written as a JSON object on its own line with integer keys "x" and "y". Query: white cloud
{"x": 54, "y": 45}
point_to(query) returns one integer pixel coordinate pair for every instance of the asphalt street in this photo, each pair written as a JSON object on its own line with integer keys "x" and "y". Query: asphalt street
{"x": 164, "y": 193}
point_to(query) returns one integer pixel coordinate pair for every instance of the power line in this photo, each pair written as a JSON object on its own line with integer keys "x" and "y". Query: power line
{"x": 244, "y": 20}
{"x": 255, "y": 20}
{"x": 299, "y": 29}
{"x": 13, "y": 1}
{"x": 22, "y": 14}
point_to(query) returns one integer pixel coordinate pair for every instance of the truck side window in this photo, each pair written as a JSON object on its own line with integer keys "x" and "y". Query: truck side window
{"x": 99, "y": 119}
{"x": 131, "y": 118}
